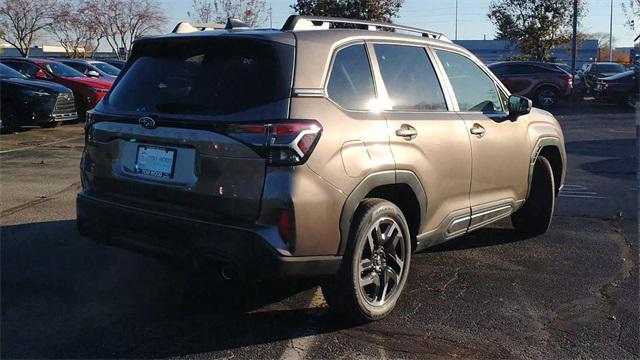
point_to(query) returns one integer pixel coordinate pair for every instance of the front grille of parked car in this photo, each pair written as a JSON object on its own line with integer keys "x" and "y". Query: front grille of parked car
{"x": 65, "y": 107}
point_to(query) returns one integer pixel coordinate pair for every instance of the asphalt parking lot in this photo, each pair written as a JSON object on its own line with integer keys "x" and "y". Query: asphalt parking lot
{"x": 572, "y": 293}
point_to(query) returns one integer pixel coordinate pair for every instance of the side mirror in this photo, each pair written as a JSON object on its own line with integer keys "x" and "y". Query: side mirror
{"x": 519, "y": 105}
{"x": 93, "y": 73}
{"x": 40, "y": 74}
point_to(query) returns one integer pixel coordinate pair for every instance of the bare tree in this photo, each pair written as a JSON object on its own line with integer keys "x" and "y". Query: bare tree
{"x": 202, "y": 11}
{"x": 632, "y": 12}
{"x": 120, "y": 22}
{"x": 251, "y": 12}
{"x": 74, "y": 27}
{"x": 22, "y": 21}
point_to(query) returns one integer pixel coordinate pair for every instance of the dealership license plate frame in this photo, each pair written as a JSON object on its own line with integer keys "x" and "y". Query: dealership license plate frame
{"x": 156, "y": 169}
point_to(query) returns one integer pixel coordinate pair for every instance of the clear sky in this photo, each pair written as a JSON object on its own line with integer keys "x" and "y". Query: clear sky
{"x": 439, "y": 15}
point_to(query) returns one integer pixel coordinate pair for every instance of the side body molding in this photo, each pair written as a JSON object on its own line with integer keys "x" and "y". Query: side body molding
{"x": 372, "y": 181}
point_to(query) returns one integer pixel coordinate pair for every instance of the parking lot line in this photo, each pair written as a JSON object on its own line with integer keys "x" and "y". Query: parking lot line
{"x": 40, "y": 145}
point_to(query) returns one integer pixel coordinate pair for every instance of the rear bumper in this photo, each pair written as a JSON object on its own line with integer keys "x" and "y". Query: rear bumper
{"x": 165, "y": 236}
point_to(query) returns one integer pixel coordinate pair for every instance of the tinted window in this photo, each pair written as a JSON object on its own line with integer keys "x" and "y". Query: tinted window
{"x": 60, "y": 69}
{"x": 500, "y": 69}
{"x": 474, "y": 89}
{"x": 109, "y": 69}
{"x": 351, "y": 82}
{"x": 24, "y": 68}
{"x": 8, "y": 73}
{"x": 80, "y": 67}
{"x": 204, "y": 76}
{"x": 519, "y": 69}
{"x": 610, "y": 68}
{"x": 410, "y": 79}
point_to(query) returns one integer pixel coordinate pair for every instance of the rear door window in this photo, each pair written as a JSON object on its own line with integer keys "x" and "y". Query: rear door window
{"x": 204, "y": 76}
{"x": 24, "y": 68}
{"x": 410, "y": 79}
{"x": 351, "y": 82}
{"x": 474, "y": 89}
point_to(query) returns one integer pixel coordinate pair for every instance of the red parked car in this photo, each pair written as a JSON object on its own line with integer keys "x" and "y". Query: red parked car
{"x": 544, "y": 83}
{"x": 87, "y": 91}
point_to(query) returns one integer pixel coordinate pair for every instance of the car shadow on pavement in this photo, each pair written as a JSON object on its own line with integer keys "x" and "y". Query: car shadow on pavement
{"x": 480, "y": 238}
{"x": 64, "y": 296}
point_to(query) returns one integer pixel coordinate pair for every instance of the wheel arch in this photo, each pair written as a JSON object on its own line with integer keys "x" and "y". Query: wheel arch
{"x": 399, "y": 187}
{"x": 551, "y": 149}
{"x": 545, "y": 85}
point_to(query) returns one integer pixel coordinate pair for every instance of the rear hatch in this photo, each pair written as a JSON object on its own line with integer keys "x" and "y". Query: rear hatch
{"x": 184, "y": 129}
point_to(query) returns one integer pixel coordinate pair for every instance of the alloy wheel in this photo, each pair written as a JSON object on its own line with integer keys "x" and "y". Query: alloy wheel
{"x": 547, "y": 98}
{"x": 381, "y": 261}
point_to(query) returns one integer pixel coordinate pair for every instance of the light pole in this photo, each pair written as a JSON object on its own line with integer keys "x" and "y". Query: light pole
{"x": 456, "y": 36}
{"x": 611, "y": 33}
{"x": 574, "y": 40}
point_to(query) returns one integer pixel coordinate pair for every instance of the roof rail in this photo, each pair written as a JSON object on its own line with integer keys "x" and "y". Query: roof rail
{"x": 187, "y": 27}
{"x": 301, "y": 23}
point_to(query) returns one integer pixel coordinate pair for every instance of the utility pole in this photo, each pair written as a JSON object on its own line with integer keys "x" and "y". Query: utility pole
{"x": 611, "y": 33}
{"x": 574, "y": 39}
{"x": 270, "y": 17}
{"x": 456, "y": 37}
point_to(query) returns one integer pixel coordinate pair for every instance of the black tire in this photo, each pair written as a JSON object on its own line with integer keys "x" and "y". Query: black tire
{"x": 387, "y": 261}
{"x": 546, "y": 97}
{"x": 49, "y": 125}
{"x": 534, "y": 217}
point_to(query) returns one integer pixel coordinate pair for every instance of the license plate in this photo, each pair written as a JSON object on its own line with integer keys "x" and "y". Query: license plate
{"x": 155, "y": 161}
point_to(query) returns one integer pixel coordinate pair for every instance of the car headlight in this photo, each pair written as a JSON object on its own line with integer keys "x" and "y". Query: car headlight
{"x": 35, "y": 93}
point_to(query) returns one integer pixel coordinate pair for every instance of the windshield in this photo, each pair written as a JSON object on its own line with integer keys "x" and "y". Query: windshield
{"x": 106, "y": 68}
{"x": 610, "y": 68}
{"x": 8, "y": 73}
{"x": 204, "y": 76}
{"x": 62, "y": 70}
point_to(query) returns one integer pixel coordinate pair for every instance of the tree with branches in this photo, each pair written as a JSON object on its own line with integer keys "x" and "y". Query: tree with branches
{"x": 75, "y": 28}
{"x": 120, "y": 22}
{"x": 537, "y": 25}
{"x": 380, "y": 10}
{"x": 23, "y": 21}
{"x": 631, "y": 9}
{"x": 251, "y": 12}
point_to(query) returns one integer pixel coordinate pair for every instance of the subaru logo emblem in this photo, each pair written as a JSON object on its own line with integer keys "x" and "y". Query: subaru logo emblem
{"x": 147, "y": 122}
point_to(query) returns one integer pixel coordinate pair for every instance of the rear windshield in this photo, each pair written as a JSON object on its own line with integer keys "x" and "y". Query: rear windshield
{"x": 204, "y": 76}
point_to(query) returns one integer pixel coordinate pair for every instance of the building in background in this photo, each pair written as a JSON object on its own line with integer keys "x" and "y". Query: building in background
{"x": 490, "y": 51}
{"x": 47, "y": 51}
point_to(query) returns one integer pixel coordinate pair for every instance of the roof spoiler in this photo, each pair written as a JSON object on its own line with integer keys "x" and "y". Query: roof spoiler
{"x": 301, "y": 23}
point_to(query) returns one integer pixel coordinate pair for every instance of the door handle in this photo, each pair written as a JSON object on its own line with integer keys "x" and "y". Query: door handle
{"x": 477, "y": 130}
{"x": 406, "y": 131}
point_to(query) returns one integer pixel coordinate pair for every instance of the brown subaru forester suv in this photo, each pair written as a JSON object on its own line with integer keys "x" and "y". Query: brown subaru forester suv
{"x": 333, "y": 148}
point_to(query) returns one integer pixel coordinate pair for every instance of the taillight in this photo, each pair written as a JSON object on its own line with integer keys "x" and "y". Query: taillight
{"x": 570, "y": 80}
{"x": 281, "y": 143}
